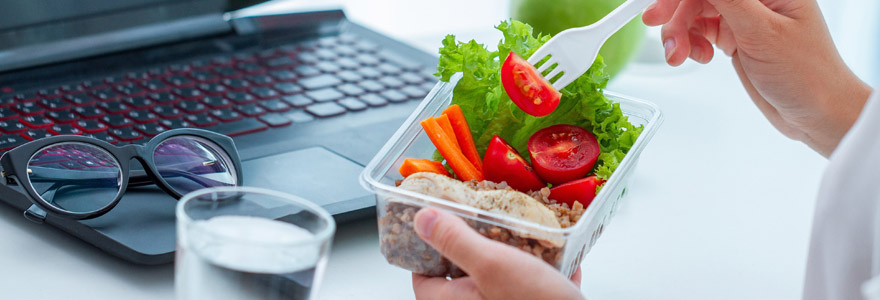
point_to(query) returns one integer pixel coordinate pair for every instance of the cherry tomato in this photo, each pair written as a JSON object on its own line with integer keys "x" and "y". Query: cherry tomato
{"x": 581, "y": 190}
{"x": 562, "y": 153}
{"x": 502, "y": 163}
{"x": 527, "y": 88}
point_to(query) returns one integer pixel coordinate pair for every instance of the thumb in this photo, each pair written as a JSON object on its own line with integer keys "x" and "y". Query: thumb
{"x": 457, "y": 241}
{"x": 744, "y": 16}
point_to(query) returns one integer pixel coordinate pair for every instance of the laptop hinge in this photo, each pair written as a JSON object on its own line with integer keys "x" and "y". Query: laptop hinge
{"x": 125, "y": 39}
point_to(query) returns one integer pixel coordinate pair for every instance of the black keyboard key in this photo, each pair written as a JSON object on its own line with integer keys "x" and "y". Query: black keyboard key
{"x": 167, "y": 112}
{"x": 114, "y": 107}
{"x": 105, "y": 95}
{"x": 243, "y": 126}
{"x": 260, "y": 79}
{"x": 104, "y": 137}
{"x": 139, "y": 102}
{"x": 188, "y": 93}
{"x": 399, "y": 60}
{"x": 221, "y": 60}
{"x": 395, "y": 96}
{"x": 280, "y": 62}
{"x": 200, "y": 64}
{"x": 31, "y": 135}
{"x": 125, "y": 134}
{"x": 299, "y": 116}
{"x": 89, "y": 112}
{"x": 275, "y": 120}
{"x": 36, "y": 121}
{"x": 201, "y": 120}
{"x": 325, "y": 110}
{"x": 411, "y": 78}
{"x": 236, "y": 84}
{"x": 350, "y": 76}
{"x": 27, "y": 96}
{"x": 92, "y": 84}
{"x": 129, "y": 89}
{"x": 319, "y": 82}
{"x": 55, "y": 104}
{"x": 351, "y": 89}
{"x": 203, "y": 76}
{"x": 71, "y": 165}
{"x": 368, "y": 59}
{"x": 369, "y": 72}
{"x": 7, "y": 101}
{"x": 373, "y": 100}
{"x": 142, "y": 116}
{"x": 50, "y": 93}
{"x": 12, "y": 126}
{"x": 388, "y": 68}
{"x": 328, "y": 41}
{"x": 427, "y": 86}
{"x": 115, "y": 121}
{"x": 179, "y": 81}
{"x": 391, "y": 82}
{"x": 29, "y": 109}
{"x": 326, "y": 54}
{"x": 138, "y": 76}
{"x": 90, "y": 126}
{"x": 287, "y": 88}
{"x": 328, "y": 67}
{"x": 179, "y": 68}
{"x": 64, "y": 129}
{"x": 164, "y": 98}
{"x": 372, "y": 85}
{"x": 275, "y": 105}
{"x": 245, "y": 56}
{"x": 113, "y": 80}
{"x": 155, "y": 85}
{"x": 158, "y": 72}
{"x": 217, "y": 102}
{"x": 79, "y": 100}
{"x": 298, "y": 100}
{"x": 7, "y": 113}
{"x": 283, "y": 75}
{"x": 306, "y": 70}
{"x": 149, "y": 130}
{"x": 11, "y": 141}
{"x": 60, "y": 116}
{"x": 213, "y": 89}
{"x": 227, "y": 72}
{"x": 251, "y": 110}
{"x": 70, "y": 88}
{"x": 308, "y": 57}
{"x": 175, "y": 123}
{"x": 347, "y": 38}
{"x": 240, "y": 97}
{"x": 347, "y": 63}
{"x": 267, "y": 54}
{"x": 325, "y": 95}
{"x": 250, "y": 68}
{"x": 346, "y": 50}
{"x": 192, "y": 107}
{"x": 352, "y": 104}
{"x": 263, "y": 92}
{"x": 366, "y": 46}
{"x": 226, "y": 115}
{"x": 413, "y": 92}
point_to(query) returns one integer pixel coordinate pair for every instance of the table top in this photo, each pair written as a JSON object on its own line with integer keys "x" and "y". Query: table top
{"x": 719, "y": 207}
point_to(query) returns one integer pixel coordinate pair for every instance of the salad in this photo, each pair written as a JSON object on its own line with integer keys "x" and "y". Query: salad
{"x": 507, "y": 124}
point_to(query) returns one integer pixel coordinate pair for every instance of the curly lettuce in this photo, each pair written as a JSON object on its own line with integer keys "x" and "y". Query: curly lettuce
{"x": 489, "y": 111}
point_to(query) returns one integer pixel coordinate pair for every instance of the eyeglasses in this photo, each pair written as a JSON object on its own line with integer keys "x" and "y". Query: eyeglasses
{"x": 82, "y": 178}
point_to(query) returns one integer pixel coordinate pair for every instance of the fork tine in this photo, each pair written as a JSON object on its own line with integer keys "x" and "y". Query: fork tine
{"x": 553, "y": 73}
{"x": 564, "y": 81}
{"x": 538, "y": 55}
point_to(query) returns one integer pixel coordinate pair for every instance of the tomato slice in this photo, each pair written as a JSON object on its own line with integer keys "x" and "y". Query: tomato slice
{"x": 581, "y": 190}
{"x": 502, "y": 163}
{"x": 562, "y": 153}
{"x": 527, "y": 88}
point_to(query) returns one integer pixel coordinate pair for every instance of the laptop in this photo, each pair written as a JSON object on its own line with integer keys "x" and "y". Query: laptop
{"x": 309, "y": 98}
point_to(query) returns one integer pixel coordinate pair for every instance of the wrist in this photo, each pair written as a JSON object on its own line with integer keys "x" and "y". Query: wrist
{"x": 843, "y": 103}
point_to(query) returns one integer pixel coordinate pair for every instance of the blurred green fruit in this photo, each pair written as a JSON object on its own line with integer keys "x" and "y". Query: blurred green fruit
{"x": 553, "y": 16}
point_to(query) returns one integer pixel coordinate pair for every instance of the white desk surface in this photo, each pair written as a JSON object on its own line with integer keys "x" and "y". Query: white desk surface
{"x": 720, "y": 206}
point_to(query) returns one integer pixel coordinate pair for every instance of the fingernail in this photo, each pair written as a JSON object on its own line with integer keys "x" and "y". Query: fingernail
{"x": 425, "y": 222}
{"x": 669, "y": 45}
{"x": 652, "y": 6}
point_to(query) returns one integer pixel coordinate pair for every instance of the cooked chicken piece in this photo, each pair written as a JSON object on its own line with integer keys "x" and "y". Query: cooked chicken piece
{"x": 506, "y": 202}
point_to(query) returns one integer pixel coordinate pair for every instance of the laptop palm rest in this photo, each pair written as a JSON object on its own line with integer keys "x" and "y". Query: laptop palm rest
{"x": 315, "y": 174}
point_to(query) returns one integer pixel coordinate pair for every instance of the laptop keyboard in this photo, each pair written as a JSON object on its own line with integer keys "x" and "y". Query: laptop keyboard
{"x": 233, "y": 94}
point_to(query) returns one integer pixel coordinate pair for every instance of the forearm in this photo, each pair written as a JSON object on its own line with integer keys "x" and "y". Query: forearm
{"x": 844, "y": 100}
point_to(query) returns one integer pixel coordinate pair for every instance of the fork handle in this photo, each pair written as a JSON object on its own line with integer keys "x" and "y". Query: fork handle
{"x": 621, "y": 15}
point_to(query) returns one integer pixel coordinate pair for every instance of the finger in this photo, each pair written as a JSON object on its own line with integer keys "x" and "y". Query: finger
{"x": 675, "y": 34}
{"x": 660, "y": 12}
{"x": 576, "y": 277}
{"x": 458, "y": 242}
{"x": 429, "y": 288}
{"x": 744, "y": 16}
{"x": 701, "y": 50}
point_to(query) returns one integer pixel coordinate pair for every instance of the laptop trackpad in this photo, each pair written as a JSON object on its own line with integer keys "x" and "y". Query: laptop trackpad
{"x": 315, "y": 174}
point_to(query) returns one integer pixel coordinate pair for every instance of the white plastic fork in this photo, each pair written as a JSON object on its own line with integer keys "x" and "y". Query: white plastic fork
{"x": 574, "y": 50}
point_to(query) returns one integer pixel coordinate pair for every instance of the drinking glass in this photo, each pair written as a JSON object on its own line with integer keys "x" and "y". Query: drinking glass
{"x": 250, "y": 243}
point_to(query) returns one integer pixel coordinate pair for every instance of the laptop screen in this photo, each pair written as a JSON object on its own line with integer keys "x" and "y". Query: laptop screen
{"x": 29, "y": 22}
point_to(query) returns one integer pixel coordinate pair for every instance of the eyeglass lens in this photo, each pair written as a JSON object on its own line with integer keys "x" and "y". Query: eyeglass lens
{"x": 189, "y": 163}
{"x": 75, "y": 177}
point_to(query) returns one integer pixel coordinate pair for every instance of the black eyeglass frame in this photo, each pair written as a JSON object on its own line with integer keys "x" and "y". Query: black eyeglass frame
{"x": 16, "y": 160}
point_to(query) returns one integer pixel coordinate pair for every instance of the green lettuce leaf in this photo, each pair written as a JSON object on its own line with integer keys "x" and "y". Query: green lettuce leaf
{"x": 489, "y": 111}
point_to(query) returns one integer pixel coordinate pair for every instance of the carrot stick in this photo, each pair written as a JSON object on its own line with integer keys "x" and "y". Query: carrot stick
{"x": 463, "y": 135}
{"x": 459, "y": 163}
{"x": 444, "y": 122}
{"x": 415, "y": 165}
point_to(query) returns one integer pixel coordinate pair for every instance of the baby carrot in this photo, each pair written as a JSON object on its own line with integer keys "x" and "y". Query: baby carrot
{"x": 415, "y": 165}
{"x": 444, "y": 122}
{"x": 463, "y": 135}
{"x": 459, "y": 163}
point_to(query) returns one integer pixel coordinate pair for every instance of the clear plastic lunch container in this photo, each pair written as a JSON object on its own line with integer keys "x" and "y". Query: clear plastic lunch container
{"x": 563, "y": 248}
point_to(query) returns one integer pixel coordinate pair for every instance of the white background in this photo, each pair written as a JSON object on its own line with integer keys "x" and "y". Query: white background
{"x": 719, "y": 208}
